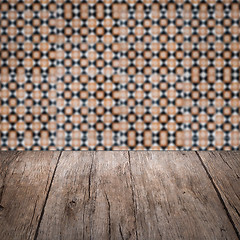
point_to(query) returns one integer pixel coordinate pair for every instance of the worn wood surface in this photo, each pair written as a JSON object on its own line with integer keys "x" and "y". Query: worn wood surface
{"x": 175, "y": 198}
{"x": 119, "y": 195}
{"x": 224, "y": 170}
{"x": 25, "y": 178}
{"x": 91, "y": 198}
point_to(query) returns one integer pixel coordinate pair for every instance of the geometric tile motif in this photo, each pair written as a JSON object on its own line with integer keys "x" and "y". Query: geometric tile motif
{"x": 151, "y": 72}
{"x": 109, "y": 75}
{"x": 211, "y": 78}
{"x": 28, "y": 86}
{"x": 87, "y": 76}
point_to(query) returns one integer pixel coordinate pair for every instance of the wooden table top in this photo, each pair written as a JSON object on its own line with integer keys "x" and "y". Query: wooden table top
{"x": 119, "y": 195}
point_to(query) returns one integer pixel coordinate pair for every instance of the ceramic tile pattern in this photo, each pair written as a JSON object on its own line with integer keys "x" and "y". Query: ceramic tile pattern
{"x": 110, "y": 75}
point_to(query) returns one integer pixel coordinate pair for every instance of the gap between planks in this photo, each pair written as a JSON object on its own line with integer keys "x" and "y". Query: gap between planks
{"x": 216, "y": 188}
{"x": 45, "y": 202}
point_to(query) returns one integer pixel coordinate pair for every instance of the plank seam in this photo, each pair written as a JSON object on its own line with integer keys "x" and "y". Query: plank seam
{"x": 133, "y": 196}
{"x": 219, "y": 195}
{"x": 45, "y": 202}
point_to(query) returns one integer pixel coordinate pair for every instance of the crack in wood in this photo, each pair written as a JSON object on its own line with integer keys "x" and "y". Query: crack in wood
{"x": 2, "y": 189}
{"x": 234, "y": 208}
{"x": 90, "y": 177}
{"x": 219, "y": 195}
{"x": 225, "y": 161}
{"x": 228, "y": 165}
{"x": 109, "y": 216}
{"x": 120, "y": 230}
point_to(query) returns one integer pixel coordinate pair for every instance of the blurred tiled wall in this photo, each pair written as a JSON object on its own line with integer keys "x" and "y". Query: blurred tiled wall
{"x": 110, "y": 75}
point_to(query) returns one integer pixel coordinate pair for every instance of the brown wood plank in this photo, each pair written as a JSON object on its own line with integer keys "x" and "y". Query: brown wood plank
{"x": 114, "y": 216}
{"x": 6, "y": 158}
{"x": 224, "y": 169}
{"x": 90, "y": 198}
{"x": 25, "y": 178}
{"x": 175, "y": 198}
{"x": 65, "y": 209}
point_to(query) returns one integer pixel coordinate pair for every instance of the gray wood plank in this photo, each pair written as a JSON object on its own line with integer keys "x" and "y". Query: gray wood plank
{"x": 6, "y": 158}
{"x": 64, "y": 215}
{"x": 25, "y": 178}
{"x": 90, "y": 198}
{"x": 175, "y": 199}
{"x": 114, "y": 216}
{"x": 224, "y": 169}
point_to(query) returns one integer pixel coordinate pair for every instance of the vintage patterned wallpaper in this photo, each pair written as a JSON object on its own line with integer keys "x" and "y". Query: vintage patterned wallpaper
{"x": 111, "y": 74}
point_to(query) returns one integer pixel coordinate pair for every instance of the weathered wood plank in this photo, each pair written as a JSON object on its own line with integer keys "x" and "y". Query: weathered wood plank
{"x": 224, "y": 169}
{"x": 107, "y": 195}
{"x": 25, "y": 178}
{"x": 114, "y": 216}
{"x": 175, "y": 199}
{"x": 64, "y": 215}
{"x": 90, "y": 198}
{"x": 6, "y": 158}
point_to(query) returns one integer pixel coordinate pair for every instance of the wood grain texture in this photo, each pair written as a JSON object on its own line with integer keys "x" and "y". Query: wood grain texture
{"x": 175, "y": 199}
{"x": 224, "y": 169}
{"x": 90, "y": 198}
{"x": 25, "y": 178}
{"x": 114, "y": 216}
{"x": 119, "y": 195}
